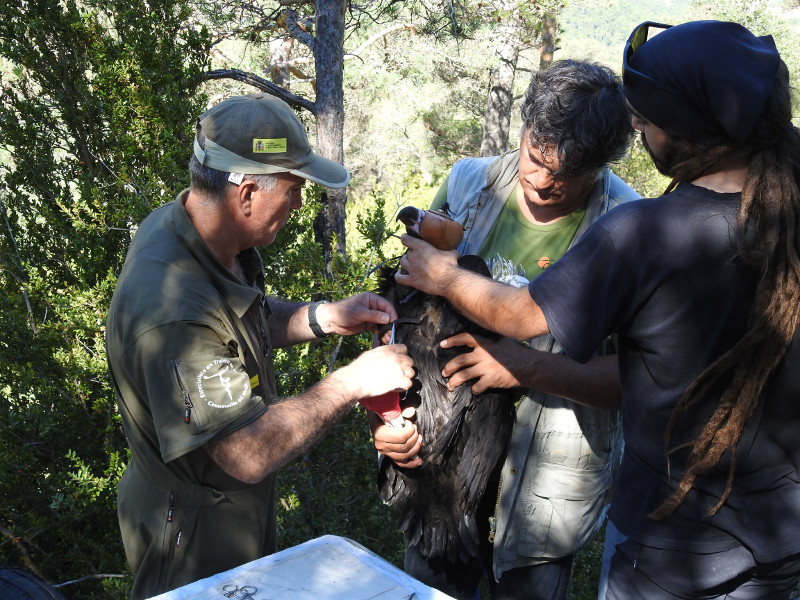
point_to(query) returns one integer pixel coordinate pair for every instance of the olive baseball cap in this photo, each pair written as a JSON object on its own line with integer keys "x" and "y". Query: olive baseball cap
{"x": 260, "y": 134}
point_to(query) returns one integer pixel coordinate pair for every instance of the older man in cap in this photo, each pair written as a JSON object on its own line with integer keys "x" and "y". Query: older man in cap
{"x": 190, "y": 337}
{"x": 702, "y": 286}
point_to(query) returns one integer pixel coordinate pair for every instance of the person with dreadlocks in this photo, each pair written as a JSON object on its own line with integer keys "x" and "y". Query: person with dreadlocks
{"x": 702, "y": 288}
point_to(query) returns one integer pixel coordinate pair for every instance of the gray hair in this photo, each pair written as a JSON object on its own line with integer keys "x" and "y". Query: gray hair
{"x": 214, "y": 184}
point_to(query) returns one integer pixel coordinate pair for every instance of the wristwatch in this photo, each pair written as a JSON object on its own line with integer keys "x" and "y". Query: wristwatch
{"x": 312, "y": 318}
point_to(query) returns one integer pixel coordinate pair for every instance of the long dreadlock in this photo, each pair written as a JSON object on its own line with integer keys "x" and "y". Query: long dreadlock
{"x": 768, "y": 237}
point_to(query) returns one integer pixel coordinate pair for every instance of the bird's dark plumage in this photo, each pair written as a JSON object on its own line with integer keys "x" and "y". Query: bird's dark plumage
{"x": 464, "y": 434}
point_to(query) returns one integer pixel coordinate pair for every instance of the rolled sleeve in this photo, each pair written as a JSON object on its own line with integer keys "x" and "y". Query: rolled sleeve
{"x": 197, "y": 384}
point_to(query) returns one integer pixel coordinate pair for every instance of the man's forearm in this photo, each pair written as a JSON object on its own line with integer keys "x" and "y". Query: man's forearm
{"x": 289, "y": 428}
{"x": 595, "y": 384}
{"x": 496, "y": 306}
{"x": 499, "y": 307}
{"x": 288, "y": 323}
{"x": 285, "y": 431}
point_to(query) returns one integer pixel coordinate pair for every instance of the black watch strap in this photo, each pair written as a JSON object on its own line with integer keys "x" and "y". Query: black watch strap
{"x": 312, "y": 318}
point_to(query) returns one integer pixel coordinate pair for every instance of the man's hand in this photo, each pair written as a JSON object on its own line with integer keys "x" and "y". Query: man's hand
{"x": 494, "y": 305}
{"x": 426, "y": 268}
{"x": 494, "y": 364}
{"x": 400, "y": 445}
{"x": 377, "y": 371}
{"x": 357, "y": 314}
{"x": 507, "y": 364}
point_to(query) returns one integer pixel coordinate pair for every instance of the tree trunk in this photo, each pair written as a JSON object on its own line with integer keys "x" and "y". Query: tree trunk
{"x": 497, "y": 117}
{"x": 548, "y": 47}
{"x": 329, "y": 111}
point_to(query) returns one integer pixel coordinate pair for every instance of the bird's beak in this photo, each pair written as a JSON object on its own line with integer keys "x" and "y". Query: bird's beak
{"x": 411, "y": 217}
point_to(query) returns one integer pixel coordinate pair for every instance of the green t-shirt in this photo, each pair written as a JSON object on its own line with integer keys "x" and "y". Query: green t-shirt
{"x": 532, "y": 246}
{"x": 510, "y": 239}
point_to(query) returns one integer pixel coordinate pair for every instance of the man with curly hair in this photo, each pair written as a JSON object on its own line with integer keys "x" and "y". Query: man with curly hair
{"x": 522, "y": 211}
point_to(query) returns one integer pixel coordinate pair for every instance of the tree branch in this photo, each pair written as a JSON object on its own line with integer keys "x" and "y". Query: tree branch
{"x": 263, "y": 85}
{"x": 26, "y": 557}
{"x": 377, "y": 36}
{"x": 297, "y": 29}
{"x": 87, "y": 577}
{"x": 31, "y": 317}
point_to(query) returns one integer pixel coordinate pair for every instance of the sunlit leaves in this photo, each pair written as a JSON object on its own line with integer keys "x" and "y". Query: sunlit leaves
{"x": 96, "y": 109}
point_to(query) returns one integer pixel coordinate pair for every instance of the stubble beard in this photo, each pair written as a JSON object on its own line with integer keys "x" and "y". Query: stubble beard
{"x": 670, "y": 156}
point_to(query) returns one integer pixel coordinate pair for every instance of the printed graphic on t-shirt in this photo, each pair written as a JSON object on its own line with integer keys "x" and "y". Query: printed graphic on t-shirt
{"x": 543, "y": 262}
{"x": 534, "y": 246}
{"x": 507, "y": 271}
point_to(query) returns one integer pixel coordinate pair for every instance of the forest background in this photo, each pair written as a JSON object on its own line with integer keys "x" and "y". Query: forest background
{"x": 97, "y": 108}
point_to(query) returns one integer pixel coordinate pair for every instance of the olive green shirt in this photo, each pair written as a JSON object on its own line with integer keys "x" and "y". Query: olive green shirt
{"x": 190, "y": 356}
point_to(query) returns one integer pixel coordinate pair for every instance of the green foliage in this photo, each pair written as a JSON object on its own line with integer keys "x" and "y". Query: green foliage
{"x": 586, "y": 569}
{"x": 412, "y": 112}
{"x": 453, "y": 133}
{"x": 375, "y": 229}
{"x": 592, "y": 30}
{"x": 94, "y": 107}
{"x": 374, "y": 218}
{"x": 60, "y": 442}
{"x": 474, "y": 18}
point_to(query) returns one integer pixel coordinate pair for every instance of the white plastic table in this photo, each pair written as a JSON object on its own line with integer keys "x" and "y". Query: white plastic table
{"x": 325, "y": 568}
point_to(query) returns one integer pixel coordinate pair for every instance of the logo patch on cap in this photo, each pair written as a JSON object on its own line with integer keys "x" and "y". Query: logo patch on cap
{"x": 267, "y": 145}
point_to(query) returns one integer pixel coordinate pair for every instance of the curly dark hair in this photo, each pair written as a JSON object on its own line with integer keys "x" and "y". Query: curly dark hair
{"x": 768, "y": 237}
{"x": 579, "y": 109}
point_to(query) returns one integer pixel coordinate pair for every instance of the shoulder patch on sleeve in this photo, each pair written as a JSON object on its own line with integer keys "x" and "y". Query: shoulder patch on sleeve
{"x": 221, "y": 384}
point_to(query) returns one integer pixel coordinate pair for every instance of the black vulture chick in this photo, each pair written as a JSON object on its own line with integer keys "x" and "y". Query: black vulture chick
{"x": 465, "y": 434}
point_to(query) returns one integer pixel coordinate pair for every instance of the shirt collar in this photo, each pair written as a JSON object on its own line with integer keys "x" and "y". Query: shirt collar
{"x": 239, "y": 296}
